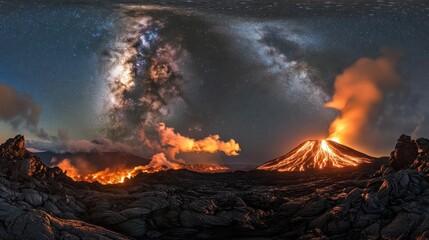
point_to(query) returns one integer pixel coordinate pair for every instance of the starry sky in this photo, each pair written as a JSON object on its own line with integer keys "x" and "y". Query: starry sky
{"x": 258, "y": 72}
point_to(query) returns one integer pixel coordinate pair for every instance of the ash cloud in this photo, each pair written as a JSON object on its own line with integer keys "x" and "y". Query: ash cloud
{"x": 63, "y": 143}
{"x": 167, "y": 146}
{"x": 370, "y": 95}
{"x": 166, "y": 140}
{"x": 19, "y": 110}
{"x": 398, "y": 110}
{"x": 175, "y": 143}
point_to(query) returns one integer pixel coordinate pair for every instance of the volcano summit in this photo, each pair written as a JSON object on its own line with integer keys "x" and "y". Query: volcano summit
{"x": 317, "y": 154}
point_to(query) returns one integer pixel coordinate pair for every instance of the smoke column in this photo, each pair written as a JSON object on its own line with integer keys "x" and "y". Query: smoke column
{"x": 359, "y": 96}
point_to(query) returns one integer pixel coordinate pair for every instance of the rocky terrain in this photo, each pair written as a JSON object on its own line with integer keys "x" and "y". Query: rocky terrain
{"x": 382, "y": 200}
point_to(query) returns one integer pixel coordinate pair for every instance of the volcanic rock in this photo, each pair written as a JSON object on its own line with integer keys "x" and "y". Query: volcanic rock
{"x": 401, "y": 226}
{"x": 33, "y": 197}
{"x": 18, "y": 162}
{"x": 423, "y": 144}
{"x": 14, "y": 148}
{"x": 405, "y": 153}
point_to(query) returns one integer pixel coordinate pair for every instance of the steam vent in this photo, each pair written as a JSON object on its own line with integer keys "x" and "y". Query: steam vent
{"x": 317, "y": 154}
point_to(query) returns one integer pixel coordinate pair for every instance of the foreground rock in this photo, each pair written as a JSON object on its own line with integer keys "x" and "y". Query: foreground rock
{"x": 33, "y": 202}
{"x": 404, "y": 154}
{"x": 355, "y": 203}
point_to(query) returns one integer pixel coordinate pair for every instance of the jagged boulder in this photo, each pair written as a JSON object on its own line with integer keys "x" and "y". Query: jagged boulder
{"x": 423, "y": 145}
{"x": 14, "y": 149}
{"x": 405, "y": 153}
{"x": 17, "y": 162}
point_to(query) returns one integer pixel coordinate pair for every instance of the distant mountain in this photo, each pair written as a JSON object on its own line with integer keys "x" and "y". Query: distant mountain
{"x": 317, "y": 154}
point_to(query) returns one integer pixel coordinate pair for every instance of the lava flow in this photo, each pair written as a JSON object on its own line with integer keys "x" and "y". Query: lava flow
{"x": 158, "y": 163}
{"x": 317, "y": 154}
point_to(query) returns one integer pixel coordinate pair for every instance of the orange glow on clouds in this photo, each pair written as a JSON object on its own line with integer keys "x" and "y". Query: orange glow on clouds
{"x": 211, "y": 144}
{"x": 359, "y": 92}
{"x": 172, "y": 143}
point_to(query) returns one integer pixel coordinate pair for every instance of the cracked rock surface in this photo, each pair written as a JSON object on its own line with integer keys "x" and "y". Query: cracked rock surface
{"x": 383, "y": 200}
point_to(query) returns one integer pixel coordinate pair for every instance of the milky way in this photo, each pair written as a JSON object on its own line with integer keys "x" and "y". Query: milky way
{"x": 143, "y": 77}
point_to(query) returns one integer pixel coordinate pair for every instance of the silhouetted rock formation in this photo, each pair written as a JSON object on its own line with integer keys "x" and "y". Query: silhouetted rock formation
{"x": 404, "y": 154}
{"x": 18, "y": 162}
{"x": 423, "y": 145}
{"x": 422, "y": 161}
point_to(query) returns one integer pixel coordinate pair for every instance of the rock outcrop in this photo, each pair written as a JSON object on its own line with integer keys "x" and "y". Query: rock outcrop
{"x": 16, "y": 161}
{"x": 35, "y": 202}
{"x": 405, "y": 153}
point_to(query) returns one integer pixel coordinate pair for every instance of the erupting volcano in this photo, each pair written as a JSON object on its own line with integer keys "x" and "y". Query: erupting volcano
{"x": 317, "y": 154}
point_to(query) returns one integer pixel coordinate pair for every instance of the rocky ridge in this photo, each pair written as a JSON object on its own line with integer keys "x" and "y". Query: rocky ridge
{"x": 37, "y": 202}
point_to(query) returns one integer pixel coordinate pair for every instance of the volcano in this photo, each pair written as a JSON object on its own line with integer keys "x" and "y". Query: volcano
{"x": 317, "y": 154}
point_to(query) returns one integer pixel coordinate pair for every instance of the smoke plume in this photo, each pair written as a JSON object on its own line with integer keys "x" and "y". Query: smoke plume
{"x": 175, "y": 143}
{"x": 360, "y": 96}
{"x": 19, "y": 109}
{"x": 16, "y": 108}
{"x": 167, "y": 142}
{"x": 62, "y": 143}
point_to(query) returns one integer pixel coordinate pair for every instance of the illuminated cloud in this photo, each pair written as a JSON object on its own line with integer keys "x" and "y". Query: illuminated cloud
{"x": 158, "y": 161}
{"x": 175, "y": 143}
{"x": 167, "y": 142}
{"x": 360, "y": 93}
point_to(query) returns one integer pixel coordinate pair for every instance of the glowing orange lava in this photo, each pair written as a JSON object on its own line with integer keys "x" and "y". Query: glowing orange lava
{"x": 108, "y": 176}
{"x": 317, "y": 154}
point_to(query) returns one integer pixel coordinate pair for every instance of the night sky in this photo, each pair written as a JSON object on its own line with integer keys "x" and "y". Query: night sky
{"x": 258, "y": 72}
